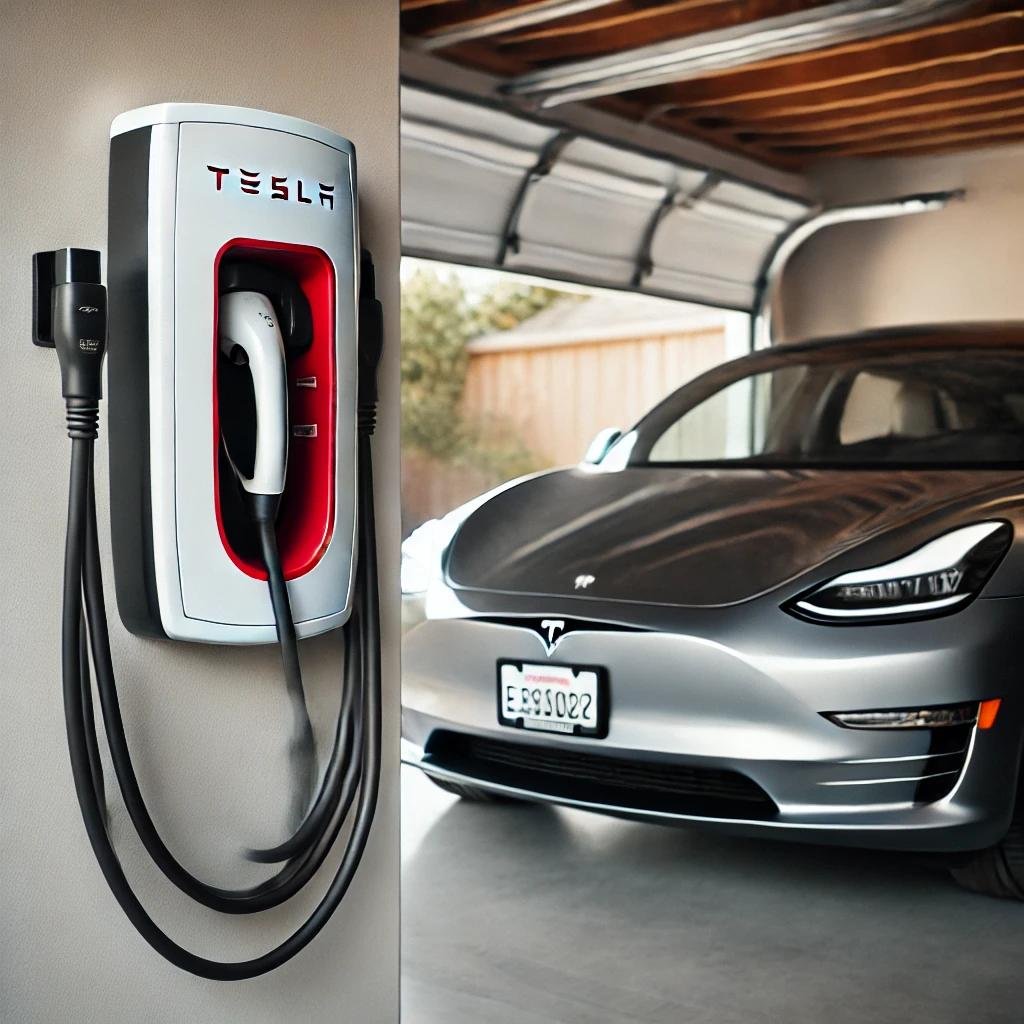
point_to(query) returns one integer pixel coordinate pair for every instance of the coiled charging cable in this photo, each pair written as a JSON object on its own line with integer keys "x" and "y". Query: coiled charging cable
{"x": 352, "y": 773}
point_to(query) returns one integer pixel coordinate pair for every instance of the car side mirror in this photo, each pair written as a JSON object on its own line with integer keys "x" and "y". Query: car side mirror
{"x": 602, "y": 442}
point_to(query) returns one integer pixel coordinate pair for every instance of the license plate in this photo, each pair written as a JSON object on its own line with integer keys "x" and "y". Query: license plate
{"x": 569, "y": 699}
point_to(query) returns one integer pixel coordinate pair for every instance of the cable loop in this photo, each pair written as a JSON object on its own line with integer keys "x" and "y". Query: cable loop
{"x": 359, "y": 734}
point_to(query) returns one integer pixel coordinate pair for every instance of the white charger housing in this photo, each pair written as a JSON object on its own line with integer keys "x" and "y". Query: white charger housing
{"x": 197, "y": 193}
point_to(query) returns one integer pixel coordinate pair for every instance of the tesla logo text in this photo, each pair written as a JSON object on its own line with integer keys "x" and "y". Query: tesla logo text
{"x": 583, "y": 581}
{"x": 274, "y": 186}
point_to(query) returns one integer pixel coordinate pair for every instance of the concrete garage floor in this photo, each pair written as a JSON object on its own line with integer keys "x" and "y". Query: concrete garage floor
{"x": 522, "y": 914}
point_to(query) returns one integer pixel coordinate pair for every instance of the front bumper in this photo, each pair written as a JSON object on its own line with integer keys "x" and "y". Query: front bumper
{"x": 748, "y": 699}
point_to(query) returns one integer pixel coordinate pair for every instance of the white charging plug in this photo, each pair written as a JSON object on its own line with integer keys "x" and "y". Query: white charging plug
{"x": 247, "y": 321}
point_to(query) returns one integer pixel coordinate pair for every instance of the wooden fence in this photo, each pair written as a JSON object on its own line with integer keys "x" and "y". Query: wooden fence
{"x": 556, "y": 397}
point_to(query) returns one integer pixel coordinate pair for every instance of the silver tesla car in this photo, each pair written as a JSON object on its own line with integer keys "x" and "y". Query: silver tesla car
{"x": 788, "y": 602}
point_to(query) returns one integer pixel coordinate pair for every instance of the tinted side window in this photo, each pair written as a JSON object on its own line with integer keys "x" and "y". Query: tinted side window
{"x": 752, "y": 416}
{"x": 913, "y": 407}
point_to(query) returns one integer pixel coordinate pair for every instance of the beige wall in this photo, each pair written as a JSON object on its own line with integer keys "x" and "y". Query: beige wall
{"x": 207, "y": 727}
{"x": 962, "y": 263}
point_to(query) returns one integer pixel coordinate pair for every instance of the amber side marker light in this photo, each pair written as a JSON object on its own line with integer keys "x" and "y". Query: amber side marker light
{"x": 987, "y": 711}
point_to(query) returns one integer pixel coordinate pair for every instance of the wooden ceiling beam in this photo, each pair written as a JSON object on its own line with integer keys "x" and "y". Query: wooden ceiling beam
{"x": 730, "y": 119}
{"x": 976, "y": 137}
{"x": 962, "y": 42}
{"x": 899, "y": 88}
{"x": 849, "y": 115}
{"x": 595, "y": 36}
{"x": 487, "y": 18}
{"x": 416, "y": 5}
{"x": 904, "y": 124}
{"x": 628, "y": 13}
{"x": 440, "y": 16}
{"x": 726, "y": 127}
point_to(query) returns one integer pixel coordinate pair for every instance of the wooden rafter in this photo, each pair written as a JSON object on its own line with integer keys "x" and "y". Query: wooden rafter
{"x": 978, "y": 138}
{"x": 623, "y": 30}
{"x": 902, "y": 123}
{"x": 618, "y": 19}
{"x": 440, "y": 16}
{"x": 936, "y": 46}
{"x": 930, "y": 99}
{"x": 494, "y": 20}
{"x": 417, "y": 5}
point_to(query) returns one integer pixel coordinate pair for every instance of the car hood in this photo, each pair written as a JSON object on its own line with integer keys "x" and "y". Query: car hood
{"x": 692, "y": 537}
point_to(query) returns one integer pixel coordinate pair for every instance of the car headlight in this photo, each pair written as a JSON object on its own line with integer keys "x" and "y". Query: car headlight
{"x": 939, "y": 577}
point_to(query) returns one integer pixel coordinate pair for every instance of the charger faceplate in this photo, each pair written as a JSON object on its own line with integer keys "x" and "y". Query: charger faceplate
{"x": 193, "y": 187}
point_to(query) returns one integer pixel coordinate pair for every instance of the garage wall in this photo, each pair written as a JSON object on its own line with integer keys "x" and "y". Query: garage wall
{"x": 207, "y": 727}
{"x": 962, "y": 263}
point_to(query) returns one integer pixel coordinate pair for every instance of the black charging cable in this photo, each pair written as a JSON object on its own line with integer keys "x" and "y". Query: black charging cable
{"x": 352, "y": 773}
{"x": 302, "y": 751}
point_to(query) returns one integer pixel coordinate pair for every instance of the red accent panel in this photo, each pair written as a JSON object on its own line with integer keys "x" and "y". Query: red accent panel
{"x": 306, "y": 518}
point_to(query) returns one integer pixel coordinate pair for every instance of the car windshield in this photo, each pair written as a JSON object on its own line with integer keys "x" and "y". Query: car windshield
{"x": 918, "y": 407}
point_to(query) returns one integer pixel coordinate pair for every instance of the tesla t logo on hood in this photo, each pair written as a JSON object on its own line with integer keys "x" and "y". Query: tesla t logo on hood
{"x": 583, "y": 581}
{"x": 553, "y": 627}
{"x": 551, "y": 632}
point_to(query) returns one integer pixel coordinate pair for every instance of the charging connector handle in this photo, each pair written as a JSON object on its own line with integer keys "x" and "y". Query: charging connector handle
{"x": 248, "y": 329}
{"x": 72, "y": 318}
{"x": 80, "y": 334}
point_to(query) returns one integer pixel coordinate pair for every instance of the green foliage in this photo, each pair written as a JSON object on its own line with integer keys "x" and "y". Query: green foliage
{"x": 435, "y": 328}
{"x": 509, "y": 303}
{"x": 437, "y": 321}
{"x": 494, "y": 451}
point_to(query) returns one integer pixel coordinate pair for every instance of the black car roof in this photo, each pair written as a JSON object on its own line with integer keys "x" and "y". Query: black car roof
{"x": 895, "y": 341}
{"x": 875, "y": 342}
{"x": 992, "y": 334}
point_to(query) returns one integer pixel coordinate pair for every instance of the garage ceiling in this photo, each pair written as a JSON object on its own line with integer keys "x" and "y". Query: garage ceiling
{"x": 782, "y": 82}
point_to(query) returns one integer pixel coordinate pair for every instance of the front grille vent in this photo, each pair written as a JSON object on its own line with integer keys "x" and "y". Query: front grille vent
{"x": 555, "y": 771}
{"x": 948, "y": 750}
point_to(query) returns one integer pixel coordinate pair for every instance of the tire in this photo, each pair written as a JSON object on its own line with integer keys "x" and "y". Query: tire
{"x": 474, "y": 794}
{"x": 997, "y": 870}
